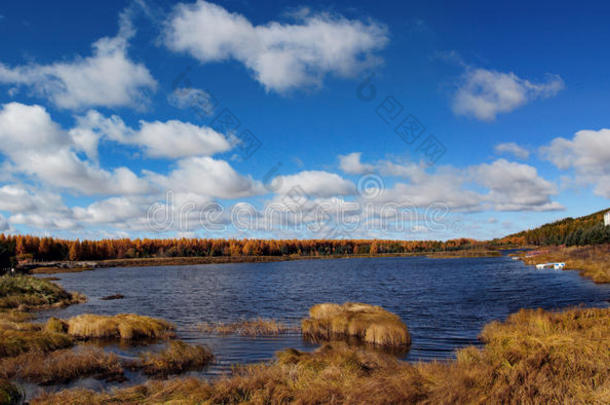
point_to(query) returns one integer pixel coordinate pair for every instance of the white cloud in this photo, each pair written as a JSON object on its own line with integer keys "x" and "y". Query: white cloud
{"x": 107, "y": 78}
{"x": 484, "y": 94}
{"x": 282, "y": 56}
{"x": 515, "y": 186}
{"x": 588, "y": 153}
{"x": 315, "y": 183}
{"x": 351, "y": 164}
{"x": 38, "y": 147}
{"x": 208, "y": 177}
{"x": 171, "y": 139}
{"x": 513, "y": 149}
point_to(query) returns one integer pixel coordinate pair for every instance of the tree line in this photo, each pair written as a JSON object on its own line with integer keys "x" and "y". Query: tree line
{"x": 28, "y": 247}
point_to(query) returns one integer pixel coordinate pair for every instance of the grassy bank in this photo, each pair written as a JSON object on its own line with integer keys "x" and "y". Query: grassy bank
{"x": 591, "y": 261}
{"x": 31, "y": 293}
{"x": 533, "y": 357}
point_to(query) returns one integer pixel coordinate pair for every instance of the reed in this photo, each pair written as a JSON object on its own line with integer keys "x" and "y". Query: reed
{"x": 121, "y": 326}
{"x": 371, "y": 324}
{"x": 62, "y": 366}
{"x": 254, "y": 327}
{"x": 534, "y": 357}
{"x": 176, "y": 358}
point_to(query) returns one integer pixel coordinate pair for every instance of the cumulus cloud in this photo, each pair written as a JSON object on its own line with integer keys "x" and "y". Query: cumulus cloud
{"x": 315, "y": 183}
{"x": 483, "y": 94}
{"x": 351, "y": 164}
{"x": 281, "y": 56}
{"x": 170, "y": 139}
{"x": 501, "y": 185}
{"x": 106, "y": 78}
{"x": 208, "y": 177}
{"x": 37, "y": 146}
{"x": 512, "y": 148}
{"x": 515, "y": 186}
{"x": 588, "y": 153}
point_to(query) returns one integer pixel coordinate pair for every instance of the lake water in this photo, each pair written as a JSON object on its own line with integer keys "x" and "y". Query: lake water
{"x": 444, "y": 302}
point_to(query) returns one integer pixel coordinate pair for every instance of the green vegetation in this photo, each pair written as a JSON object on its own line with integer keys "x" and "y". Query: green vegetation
{"x": 255, "y": 327}
{"x": 121, "y": 326}
{"x": 26, "y": 292}
{"x": 369, "y": 323}
{"x": 176, "y": 358}
{"x": 534, "y": 357}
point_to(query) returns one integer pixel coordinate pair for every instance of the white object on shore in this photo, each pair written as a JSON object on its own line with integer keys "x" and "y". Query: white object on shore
{"x": 556, "y": 266}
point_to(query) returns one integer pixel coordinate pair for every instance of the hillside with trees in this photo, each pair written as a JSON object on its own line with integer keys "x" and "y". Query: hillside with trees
{"x": 586, "y": 230}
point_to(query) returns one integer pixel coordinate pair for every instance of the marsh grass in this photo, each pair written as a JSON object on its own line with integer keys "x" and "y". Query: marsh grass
{"x": 121, "y": 326}
{"x": 253, "y": 327}
{"x": 592, "y": 261}
{"x": 176, "y": 358}
{"x": 17, "y": 337}
{"x": 534, "y": 357}
{"x": 62, "y": 366}
{"x": 371, "y": 324}
{"x": 26, "y": 292}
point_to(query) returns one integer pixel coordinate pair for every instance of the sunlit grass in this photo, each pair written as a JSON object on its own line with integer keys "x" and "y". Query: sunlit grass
{"x": 176, "y": 358}
{"x": 535, "y": 357}
{"x": 369, "y": 323}
{"x": 121, "y": 326}
{"x": 62, "y": 366}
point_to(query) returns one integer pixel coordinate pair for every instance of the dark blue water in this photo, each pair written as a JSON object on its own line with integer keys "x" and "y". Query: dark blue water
{"x": 444, "y": 302}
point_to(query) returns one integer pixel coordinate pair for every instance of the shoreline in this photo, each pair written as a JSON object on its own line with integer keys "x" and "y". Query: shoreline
{"x": 70, "y": 267}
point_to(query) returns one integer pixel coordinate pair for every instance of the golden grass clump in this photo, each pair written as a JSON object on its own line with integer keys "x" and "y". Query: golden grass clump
{"x": 62, "y": 366}
{"x": 9, "y": 394}
{"x": 18, "y": 337}
{"x": 534, "y": 357}
{"x": 371, "y": 324}
{"x": 176, "y": 358}
{"x": 26, "y": 292}
{"x": 121, "y": 326}
{"x": 254, "y": 327}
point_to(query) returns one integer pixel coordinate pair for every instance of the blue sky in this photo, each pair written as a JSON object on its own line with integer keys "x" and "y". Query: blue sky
{"x": 111, "y": 118}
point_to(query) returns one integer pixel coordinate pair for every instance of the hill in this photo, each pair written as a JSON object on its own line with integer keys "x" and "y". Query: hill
{"x": 586, "y": 230}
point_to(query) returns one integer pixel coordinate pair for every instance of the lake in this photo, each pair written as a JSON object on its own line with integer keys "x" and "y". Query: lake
{"x": 444, "y": 302}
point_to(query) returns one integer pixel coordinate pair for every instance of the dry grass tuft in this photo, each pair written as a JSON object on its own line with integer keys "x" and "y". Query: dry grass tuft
{"x": 21, "y": 337}
{"x": 176, "y": 358}
{"x": 371, "y": 324}
{"x": 535, "y": 357}
{"x": 255, "y": 327}
{"x": 121, "y": 326}
{"x": 25, "y": 292}
{"x": 62, "y": 366}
